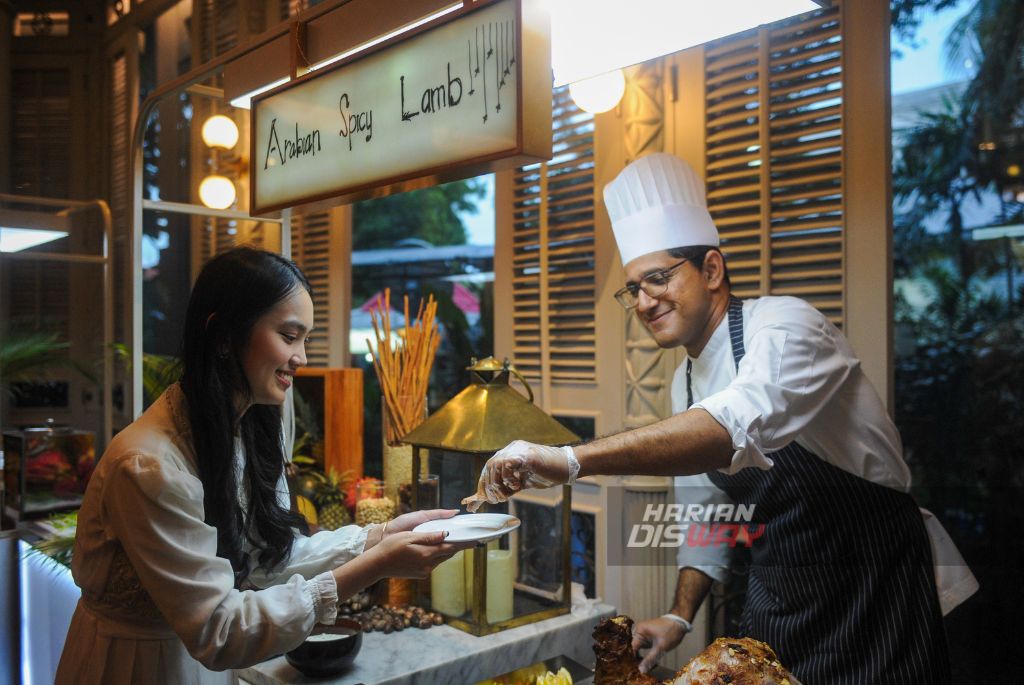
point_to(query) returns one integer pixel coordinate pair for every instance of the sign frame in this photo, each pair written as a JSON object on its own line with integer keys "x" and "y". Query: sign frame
{"x": 533, "y": 140}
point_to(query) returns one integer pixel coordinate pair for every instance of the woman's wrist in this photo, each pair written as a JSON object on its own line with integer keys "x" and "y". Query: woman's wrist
{"x": 374, "y": 536}
{"x": 356, "y": 575}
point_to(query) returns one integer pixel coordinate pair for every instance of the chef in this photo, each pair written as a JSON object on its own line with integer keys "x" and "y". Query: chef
{"x": 771, "y": 410}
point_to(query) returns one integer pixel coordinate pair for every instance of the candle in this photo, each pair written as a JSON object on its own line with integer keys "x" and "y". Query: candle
{"x": 448, "y": 587}
{"x": 499, "y": 585}
{"x": 470, "y": 573}
{"x": 468, "y": 576}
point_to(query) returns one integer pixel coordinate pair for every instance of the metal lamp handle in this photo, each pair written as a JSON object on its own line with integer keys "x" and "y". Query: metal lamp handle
{"x": 522, "y": 380}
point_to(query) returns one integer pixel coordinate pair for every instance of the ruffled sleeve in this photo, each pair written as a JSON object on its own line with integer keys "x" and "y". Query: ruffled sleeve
{"x": 311, "y": 555}
{"x": 323, "y": 551}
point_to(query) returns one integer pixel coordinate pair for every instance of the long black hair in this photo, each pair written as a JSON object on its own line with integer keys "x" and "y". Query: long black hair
{"x": 232, "y": 292}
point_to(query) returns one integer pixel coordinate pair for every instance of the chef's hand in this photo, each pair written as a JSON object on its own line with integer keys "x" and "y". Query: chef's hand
{"x": 657, "y": 636}
{"x": 520, "y": 465}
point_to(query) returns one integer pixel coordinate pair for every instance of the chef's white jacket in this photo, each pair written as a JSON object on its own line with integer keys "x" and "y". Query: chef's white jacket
{"x": 799, "y": 380}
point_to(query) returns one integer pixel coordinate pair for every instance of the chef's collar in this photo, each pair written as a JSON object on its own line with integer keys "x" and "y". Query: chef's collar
{"x": 719, "y": 340}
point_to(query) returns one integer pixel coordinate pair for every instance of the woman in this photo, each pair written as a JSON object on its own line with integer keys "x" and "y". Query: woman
{"x": 186, "y": 552}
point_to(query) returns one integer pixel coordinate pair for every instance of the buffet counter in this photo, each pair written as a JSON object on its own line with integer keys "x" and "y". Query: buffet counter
{"x": 443, "y": 655}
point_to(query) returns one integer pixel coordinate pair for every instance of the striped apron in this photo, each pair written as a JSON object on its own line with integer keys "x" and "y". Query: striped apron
{"x": 841, "y": 583}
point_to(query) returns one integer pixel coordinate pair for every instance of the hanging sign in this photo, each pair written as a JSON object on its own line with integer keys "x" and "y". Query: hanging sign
{"x": 453, "y": 99}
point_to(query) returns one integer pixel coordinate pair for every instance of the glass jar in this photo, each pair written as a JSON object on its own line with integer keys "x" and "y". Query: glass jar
{"x": 372, "y": 503}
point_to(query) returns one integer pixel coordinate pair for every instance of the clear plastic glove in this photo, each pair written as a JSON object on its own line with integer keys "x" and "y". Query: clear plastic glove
{"x": 657, "y": 636}
{"x": 521, "y": 465}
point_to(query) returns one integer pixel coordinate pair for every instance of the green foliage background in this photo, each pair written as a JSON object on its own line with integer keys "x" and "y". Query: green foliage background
{"x": 959, "y": 364}
{"x": 429, "y": 214}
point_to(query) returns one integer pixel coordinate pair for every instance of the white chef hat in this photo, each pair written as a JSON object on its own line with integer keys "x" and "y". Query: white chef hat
{"x": 657, "y": 203}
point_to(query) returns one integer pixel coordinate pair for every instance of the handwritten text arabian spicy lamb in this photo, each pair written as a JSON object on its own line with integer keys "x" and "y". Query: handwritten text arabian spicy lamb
{"x": 301, "y": 145}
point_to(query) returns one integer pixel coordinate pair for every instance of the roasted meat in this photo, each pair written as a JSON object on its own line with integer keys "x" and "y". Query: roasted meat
{"x": 739, "y": 661}
{"x": 616, "y": 662}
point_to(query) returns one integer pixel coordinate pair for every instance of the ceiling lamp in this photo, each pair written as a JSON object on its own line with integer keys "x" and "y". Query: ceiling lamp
{"x": 217, "y": 192}
{"x": 220, "y": 131}
{"x": 17, "y": 239}
{"x": 23, "y": 230}
{"x": 590, "y": 38}
{"x": 599, "y": 93}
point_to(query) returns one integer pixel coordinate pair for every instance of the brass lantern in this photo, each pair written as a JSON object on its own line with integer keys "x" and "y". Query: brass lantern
{"x": 472, "y": 426}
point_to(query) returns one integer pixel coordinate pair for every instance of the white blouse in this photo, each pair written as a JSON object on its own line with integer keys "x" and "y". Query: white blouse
{"x": 158, "y": 604}
{"x": 798, "y": 381}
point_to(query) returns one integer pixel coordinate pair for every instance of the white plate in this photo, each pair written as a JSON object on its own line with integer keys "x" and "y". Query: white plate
{"x": 471, "y": 527}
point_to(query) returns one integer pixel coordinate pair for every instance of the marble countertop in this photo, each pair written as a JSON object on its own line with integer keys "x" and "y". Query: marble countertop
{"x": 444, "y": 655}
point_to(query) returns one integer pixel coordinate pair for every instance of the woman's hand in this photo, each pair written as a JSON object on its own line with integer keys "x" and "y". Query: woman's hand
{"x": 403, "y": 523}
{"x": 404, "y": 554}
{"x": 400, "y": 554}
{"x": 409, "y": 521}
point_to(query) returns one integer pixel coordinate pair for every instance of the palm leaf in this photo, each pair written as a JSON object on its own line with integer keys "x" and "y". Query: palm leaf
{"x": 158, "y": 370}
{"x": 56, "y": 549}
{"x": 25, "y": 356}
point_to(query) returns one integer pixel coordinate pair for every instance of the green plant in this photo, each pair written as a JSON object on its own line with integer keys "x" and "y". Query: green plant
{"x": 158, "y": 370}
{"x": 29, "y": 357}
{"x": 308, "y": 431}
{"x": 56, "y": 549}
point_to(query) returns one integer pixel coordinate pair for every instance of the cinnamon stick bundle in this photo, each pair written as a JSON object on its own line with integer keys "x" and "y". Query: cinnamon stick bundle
{"x": 404, "y": 371}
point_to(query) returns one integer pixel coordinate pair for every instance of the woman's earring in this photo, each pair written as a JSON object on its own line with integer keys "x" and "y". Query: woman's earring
{"x": 222, "y": 353}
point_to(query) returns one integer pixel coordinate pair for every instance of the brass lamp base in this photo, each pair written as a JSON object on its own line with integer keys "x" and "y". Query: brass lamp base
{"x": 491, "y": 628}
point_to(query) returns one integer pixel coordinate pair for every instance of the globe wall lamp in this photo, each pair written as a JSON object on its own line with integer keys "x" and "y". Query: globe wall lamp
{"x": 217, "y": 191}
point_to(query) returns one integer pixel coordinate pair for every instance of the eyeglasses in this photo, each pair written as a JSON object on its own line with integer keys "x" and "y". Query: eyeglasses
{"x": 653, "y": 284}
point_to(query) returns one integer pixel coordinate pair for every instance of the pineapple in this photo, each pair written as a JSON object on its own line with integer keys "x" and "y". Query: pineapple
{"x": 330, "y": 501}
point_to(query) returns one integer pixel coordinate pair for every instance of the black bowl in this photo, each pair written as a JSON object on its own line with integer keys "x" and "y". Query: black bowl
{"x": 330, "y": 653}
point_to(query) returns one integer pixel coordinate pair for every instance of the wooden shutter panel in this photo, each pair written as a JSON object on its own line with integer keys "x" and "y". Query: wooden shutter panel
{"x": 219, "y": 30}
{"x": 774, "y": 158}
{"x": 311, "y": 251}
{"x": 40, "y": 164}
{"x": 41, "y": 124}
{"x": 553, "y": 253}
{"x": 526, "y": 260}
{"x": 120, "y": 188}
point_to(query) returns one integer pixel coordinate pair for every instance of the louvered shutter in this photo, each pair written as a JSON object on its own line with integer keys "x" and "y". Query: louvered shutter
{"x": 40, "y": 165}
{"x": 311, "y": 240}
{"x": 220, "y": 27}
{"x": 773, "y": 116}
{"x": 41, "y": 123}
{"x": 120, "y": 186}
{"x": 553, "y": 253}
